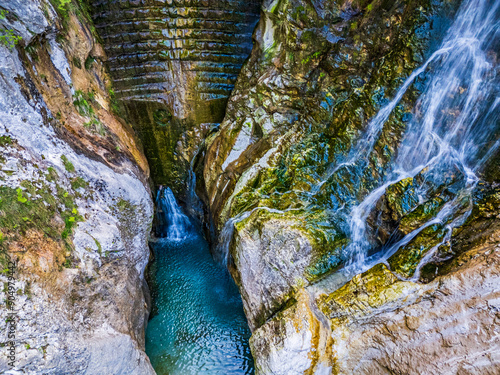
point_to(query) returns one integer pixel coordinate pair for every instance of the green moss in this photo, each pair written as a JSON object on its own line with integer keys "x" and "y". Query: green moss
{"x": 406, "y": 260}
{"x": 315, "y": 55}
{"x": 5, "y": 140}
{"x": 421, "y": 214}
{"x": 77, "y": 62}
{"x": 402, "y": 197}
{"x": 78, "y": 182}
{"x": 124, "y": 205}
{"x": 36, "y": 207}
{"x": 372, "y": 289}
{"x": 67, "y": 164}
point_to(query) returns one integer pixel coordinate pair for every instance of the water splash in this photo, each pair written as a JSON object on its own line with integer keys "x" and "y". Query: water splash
{"x": 171, "y": 221}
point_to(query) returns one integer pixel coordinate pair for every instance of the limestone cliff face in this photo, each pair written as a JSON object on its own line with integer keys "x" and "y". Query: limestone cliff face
{"x": 174, "y": 64}
{"x": 296, "y": 161}
{"x": 75, "y": 206}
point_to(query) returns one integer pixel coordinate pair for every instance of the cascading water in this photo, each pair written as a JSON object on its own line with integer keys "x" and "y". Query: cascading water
{"x": 453, "y": 131}
{"x": 172, "y": 223}
{"x": 199, "y": 327}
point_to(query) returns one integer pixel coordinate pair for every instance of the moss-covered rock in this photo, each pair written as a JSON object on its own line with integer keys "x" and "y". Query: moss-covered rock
{"x": 318, "y": 74}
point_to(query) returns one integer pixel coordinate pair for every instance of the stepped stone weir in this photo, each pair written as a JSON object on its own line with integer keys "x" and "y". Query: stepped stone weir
{"x": 174, "y": 65}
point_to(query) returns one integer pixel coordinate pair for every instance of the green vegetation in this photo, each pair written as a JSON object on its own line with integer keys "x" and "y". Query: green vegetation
{"x": 33, "y": 205}
{"x": 31, "y": 49}
{"x": 315, "y": 55}
{"x": 99, "y": 247}
{"x": 8, "y": 38}
{"x": 84, "y": 103}
{"x": 78, "y": 182}
{"x": 115, "y": 106}
{"x": 405, "y": 261}
{"x": 52, "y": 174}
{"x": 62, "y": 4}
{"x": 95, "y": 126}
{"x": 89, "y": 61}
{"x": 80, "y": 8}
{"x": 62, "y": 7}
{"x": 5, "y": 140}
{"x": 77, "y": 62}
{"x": 67, "y": 164}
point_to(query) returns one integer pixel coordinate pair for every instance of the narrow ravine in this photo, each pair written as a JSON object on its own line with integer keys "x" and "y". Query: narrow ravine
{"x": 199, "y": 326}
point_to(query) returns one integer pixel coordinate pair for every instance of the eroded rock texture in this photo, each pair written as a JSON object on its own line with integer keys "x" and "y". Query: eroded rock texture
{"x": 174, "y": 65}
{"x": 318, "y": 73}
{"x": 296, "y": 159}
{"x": 75, "y": 206}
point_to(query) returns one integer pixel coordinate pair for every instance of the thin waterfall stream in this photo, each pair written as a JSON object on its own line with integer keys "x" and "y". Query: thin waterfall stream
{"x": 199, "y": 327}
{"x": 451, "y": 134}
{"x": 434, "y": 141}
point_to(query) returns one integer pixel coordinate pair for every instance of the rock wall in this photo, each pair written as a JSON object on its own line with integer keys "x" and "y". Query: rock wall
{"x": 319, "y": 71}
{"x": 315, "y": 77}
{"x": 174, "y": 65}
{"x": 75, "y": 205}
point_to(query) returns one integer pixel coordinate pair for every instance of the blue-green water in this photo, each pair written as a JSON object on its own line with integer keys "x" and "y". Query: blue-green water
{"x": 200, "y": 327}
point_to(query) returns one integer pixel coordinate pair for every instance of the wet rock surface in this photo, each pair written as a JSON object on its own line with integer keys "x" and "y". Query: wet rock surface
{"x": 320, "y": 165}
{"x": 317, "y": 74}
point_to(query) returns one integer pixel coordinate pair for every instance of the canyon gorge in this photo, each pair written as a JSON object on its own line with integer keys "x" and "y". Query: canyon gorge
{"x": 235, "y": 187}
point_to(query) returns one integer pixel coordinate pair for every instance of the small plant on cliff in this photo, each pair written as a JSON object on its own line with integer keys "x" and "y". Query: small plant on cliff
{"x": 82, "y": 102}
{"x": 5, "y": 140}
{"x": 7, "y": 36}
{"x": 63, "y": 4}
{"x": 67, "y": 164}
{"x": 77, "y": 62}
{"x": 9, "y": 39}
{"x": 89, "y": 61}
{"x": 78, "y": 182}
{"x": 62, "y": 7}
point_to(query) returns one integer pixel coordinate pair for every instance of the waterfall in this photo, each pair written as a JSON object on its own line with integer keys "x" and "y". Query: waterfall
{"x": 171, "y": 221}
{"x": 454, "y": 128}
